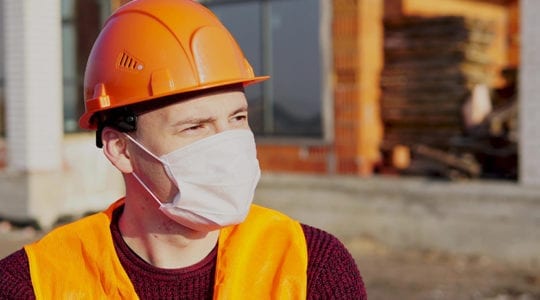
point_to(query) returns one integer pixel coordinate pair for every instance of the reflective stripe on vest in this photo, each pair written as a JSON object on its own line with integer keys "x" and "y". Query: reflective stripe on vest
{"x": 264, "y": 257}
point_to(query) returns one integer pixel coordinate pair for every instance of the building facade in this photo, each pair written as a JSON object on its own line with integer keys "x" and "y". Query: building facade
{"x": 320, "y": 113}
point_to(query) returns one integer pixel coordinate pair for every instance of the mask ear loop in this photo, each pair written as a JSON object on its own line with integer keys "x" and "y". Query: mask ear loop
{"x": 137, "y": 176}
{"x": 143, "y": 148}
{"x": 147, "y": 189}
{"x": 165, "y": 163}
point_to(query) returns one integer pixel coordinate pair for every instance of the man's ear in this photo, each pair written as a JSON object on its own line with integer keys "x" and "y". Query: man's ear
{"x": 115, "y": 149}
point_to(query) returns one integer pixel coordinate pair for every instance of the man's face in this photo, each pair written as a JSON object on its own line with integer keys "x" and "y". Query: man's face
{"x": 174, "y": 126}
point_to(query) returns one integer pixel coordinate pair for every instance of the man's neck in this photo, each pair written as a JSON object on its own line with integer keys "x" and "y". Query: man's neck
{"x": 159, "y": 240}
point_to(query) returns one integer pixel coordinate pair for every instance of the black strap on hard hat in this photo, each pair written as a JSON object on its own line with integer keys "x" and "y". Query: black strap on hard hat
{"x": 122, "y": 119}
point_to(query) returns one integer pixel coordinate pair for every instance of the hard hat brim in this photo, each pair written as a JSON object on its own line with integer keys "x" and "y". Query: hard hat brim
{"x": 86, "y": 122}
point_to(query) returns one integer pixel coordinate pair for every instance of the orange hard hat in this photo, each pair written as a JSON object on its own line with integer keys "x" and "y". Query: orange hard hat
{"x": 149, "y": 49}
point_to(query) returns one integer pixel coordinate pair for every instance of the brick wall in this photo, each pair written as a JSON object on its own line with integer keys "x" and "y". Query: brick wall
{"x": 293, "y": 158}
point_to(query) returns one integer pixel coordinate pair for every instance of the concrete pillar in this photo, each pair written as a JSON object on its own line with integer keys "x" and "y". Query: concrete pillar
{"x": 529, "y": 94}
{"x": 33, "y": 84}
{"x": 33, "y": 93}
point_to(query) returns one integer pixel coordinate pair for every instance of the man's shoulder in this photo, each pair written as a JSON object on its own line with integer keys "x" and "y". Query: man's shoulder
{"x": 15, "y": 282}
{"x": 315, "y": 237}
{"x": 332, "y": 270}
{"x": 319, "y": 239}
{"x": 94, "y": 226}
{"x": 16, "y": 262}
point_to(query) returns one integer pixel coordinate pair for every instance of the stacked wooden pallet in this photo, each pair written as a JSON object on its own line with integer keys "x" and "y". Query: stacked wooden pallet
{"x": 431, "y": 65}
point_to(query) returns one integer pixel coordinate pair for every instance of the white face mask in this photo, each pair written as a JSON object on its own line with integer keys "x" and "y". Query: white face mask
{"x": 216, "y": 178}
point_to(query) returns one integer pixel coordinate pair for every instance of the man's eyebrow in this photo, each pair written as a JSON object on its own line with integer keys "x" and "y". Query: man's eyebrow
{"x": 193, "y": 120}
{"x": 244, "y": 108}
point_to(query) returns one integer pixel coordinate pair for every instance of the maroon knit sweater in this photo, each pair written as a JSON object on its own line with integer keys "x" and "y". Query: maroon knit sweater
{"x": 332, "y": 272}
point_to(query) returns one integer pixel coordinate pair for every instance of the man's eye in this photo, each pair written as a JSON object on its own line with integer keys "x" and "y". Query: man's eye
{"x": 240, "y": 117}
{"x": 194, "y": 127}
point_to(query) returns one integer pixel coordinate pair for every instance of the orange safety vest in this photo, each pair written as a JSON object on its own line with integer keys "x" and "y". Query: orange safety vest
{"x": 264, "y": 257}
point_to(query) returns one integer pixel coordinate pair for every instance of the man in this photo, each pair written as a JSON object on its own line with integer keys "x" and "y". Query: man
{"x": 164, "y": 92}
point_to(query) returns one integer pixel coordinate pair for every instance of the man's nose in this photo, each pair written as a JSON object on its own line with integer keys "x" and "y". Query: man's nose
{"x": 222, "y": 125}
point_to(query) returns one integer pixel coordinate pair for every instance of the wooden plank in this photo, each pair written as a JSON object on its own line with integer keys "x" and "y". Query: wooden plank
{"x": 442, "y": 142}
{"x": 426, "y": 120}
{"x": 465, "y": 164}
{"x": 430, "y": 66}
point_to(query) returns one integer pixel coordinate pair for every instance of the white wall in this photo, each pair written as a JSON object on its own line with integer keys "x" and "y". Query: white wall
{"x": 529, "y": 94}
{"x": 86, "y": 183}
{"x": 33, "y": 84}
{"x": 48, "y": 174}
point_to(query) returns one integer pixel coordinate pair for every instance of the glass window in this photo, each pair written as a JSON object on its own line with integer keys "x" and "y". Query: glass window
{"x": 280, "y": 38}
{"x": 249, "y": 37}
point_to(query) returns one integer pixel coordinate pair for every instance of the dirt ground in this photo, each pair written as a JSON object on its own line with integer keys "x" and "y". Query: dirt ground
{"x": 419, "y": 275}
{"x": 404, "y": 275}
